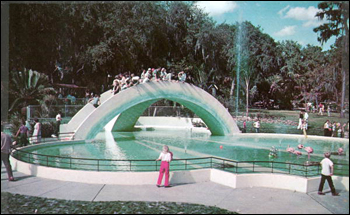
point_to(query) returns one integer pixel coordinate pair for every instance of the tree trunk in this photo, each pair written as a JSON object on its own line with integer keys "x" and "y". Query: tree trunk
{"x": 247, "y": 97}
{"x": 345, "y": 68}
{"x": 343, "y": 91}
{"x": 345, "y": 57}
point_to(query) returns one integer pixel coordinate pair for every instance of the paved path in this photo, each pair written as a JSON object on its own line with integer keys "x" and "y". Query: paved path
{"x": 246, "y": 201}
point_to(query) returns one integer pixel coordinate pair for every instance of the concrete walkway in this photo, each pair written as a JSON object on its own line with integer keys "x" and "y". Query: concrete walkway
{"x": 246, "y": 201}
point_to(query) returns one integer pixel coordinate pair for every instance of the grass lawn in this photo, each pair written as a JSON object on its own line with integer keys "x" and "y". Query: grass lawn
{"x": 286, "y": 122}
{"x": 19, "y": 204}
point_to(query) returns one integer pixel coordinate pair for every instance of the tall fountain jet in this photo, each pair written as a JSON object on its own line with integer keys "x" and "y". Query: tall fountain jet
{"x": 239, "y": 36}
{"x": 238, "y": 48}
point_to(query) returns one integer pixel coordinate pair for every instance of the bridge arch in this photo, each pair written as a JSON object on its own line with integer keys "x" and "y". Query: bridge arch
{"x": 131, "y": 103}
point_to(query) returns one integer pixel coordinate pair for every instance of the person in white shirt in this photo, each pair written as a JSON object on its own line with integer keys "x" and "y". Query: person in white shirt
{"x": 306, "y": 118}
{"x": 256, "y": 125}
{"x": 148, "y": 76}
{"x": 36, "y": 138}
{"x": 58, "y": 124}
{"x": 165, "y": 156}
{"x": 326, "y": 174}
{"x": 327, "y": 129}
{"x": 301, "y": 116}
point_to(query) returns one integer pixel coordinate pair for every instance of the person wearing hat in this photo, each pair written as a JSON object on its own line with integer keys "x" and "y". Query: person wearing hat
{"x": 326, "y": 174}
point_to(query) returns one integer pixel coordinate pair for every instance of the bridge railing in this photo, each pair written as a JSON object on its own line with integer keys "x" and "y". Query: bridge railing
{"x": 169, "y": 111}
{"x": 238, "y": 167}
{"x": 68, "y": 111}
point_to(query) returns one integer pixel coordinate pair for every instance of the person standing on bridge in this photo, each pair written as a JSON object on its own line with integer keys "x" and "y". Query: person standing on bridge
{"x": 96, "y": 101}
{"x": 182, "y": 77}
{"x": 165, "y": 156}
{"x": 116, "y": 86}
{"x": 147, "y": 76}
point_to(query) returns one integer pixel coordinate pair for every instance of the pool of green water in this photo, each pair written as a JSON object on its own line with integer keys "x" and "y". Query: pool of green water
{"x": 147, "y": 145}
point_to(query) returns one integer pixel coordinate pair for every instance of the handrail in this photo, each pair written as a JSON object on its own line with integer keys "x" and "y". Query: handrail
{"x": 45, "y": 139}
{"x": 178, "y": 164}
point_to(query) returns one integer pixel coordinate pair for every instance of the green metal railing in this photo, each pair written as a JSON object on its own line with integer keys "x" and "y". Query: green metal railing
{"x": 238, "y": 167}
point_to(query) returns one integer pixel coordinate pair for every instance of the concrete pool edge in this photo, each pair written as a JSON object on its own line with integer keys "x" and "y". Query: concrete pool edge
{"x": 315, "y": 137}
{"x": 235, "y": 181}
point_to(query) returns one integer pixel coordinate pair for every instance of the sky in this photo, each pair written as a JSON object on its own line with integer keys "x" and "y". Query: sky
{"x": 282, "y": 20}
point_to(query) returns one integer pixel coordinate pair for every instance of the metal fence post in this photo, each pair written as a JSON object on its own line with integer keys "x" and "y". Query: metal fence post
{"x": 289, "y": 168}
{"x": 98, "y": 165}
{"x": 272, "y": 167}
{"x": 306, "y": 171}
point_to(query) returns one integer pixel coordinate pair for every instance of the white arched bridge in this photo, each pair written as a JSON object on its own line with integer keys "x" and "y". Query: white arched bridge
{"x": 130, "y": 104}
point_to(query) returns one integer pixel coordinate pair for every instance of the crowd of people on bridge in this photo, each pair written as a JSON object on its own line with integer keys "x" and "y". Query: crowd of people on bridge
{"x": 125, "y": 81}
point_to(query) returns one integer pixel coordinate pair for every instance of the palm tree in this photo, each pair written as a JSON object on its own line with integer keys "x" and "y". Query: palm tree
{"x": 27, "y": 88}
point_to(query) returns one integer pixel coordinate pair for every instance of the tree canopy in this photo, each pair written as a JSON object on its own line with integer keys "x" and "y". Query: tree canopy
{"x": 84, "y": 44}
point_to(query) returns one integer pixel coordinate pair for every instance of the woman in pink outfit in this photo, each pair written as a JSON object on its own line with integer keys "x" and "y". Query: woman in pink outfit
{"x": 165, "y": 157}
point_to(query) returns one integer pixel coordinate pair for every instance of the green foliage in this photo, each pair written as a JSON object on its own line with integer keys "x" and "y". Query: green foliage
{"x": 90, "y": 41}
{"x": 47, "y": 106}
{"x": 27, "y": 88}
{"x": 337, "y": 15}
{"x": 15, "y": 122}
{"x": 47, "y": 129}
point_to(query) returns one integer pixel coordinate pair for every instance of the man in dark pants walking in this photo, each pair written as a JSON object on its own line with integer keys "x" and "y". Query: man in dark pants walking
{"x": 6, "y": 143}
{"x": 327, "y": 172}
